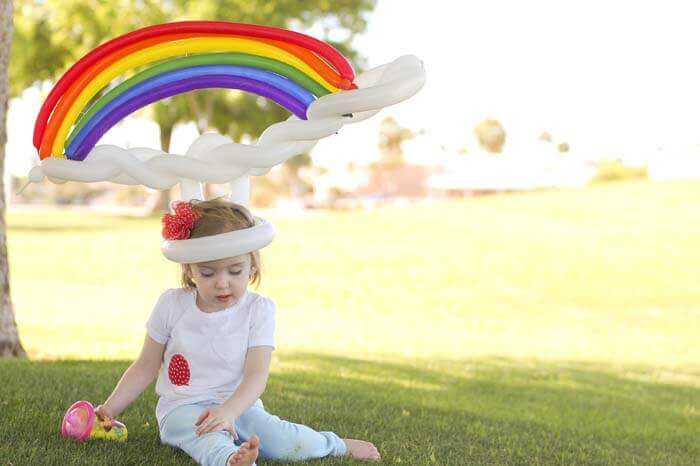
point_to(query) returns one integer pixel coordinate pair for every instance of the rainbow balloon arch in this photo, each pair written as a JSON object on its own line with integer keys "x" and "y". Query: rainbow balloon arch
{"x": 306, "y": 76}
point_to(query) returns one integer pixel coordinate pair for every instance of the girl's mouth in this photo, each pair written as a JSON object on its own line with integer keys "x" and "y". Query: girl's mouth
{"x": 223, "y": 297}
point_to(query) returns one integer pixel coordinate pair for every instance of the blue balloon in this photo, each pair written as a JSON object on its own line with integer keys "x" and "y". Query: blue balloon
{"x": 293, "y": 90}
{"x": 110, "y": 119}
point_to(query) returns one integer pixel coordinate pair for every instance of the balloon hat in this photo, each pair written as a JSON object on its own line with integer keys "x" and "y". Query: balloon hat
{"x": 178, "y": 247}
{"x": 306, "y": 76}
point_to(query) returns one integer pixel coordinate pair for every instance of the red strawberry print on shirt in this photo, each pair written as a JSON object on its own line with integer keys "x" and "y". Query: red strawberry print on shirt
{"x": 179, "y": 370}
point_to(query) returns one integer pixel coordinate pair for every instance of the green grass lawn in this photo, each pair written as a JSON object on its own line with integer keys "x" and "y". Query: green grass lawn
{"x": 541, "y": 328}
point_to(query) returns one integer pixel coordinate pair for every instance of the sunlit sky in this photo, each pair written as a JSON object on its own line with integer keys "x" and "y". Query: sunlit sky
{"x": 607, "y": 77}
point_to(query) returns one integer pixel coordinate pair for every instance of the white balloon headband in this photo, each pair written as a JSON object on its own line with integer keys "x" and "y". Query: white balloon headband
{"x": 178, "y": 247}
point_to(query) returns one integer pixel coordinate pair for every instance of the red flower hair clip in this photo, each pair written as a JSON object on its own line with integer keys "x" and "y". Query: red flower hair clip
{"x": 181, "y": 224}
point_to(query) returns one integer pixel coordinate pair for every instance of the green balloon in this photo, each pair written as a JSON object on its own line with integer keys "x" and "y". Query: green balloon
{"x": 242, "y": 59}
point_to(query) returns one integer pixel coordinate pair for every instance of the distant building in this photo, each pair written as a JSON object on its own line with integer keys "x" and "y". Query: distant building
{"x": 334, "y": 184}
{"x": 356, "y": 184}
{"x": 533, "y": 169}
{"x": 405, "y": 181}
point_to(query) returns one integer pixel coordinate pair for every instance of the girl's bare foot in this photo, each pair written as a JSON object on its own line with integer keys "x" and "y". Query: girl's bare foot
{"x": 361, "y": 450}
{"x": 246, "y": 453}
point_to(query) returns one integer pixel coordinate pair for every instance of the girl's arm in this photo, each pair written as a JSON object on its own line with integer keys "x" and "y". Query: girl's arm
{"x": 257, "y": 369}
{"x": 135, "y": 379}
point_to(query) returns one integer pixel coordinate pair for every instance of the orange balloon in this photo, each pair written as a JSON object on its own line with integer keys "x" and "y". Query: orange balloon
{"x": 311, "y": 59}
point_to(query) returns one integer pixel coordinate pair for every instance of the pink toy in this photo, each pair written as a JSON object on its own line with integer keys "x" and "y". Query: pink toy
{"x": 81, "y": 423}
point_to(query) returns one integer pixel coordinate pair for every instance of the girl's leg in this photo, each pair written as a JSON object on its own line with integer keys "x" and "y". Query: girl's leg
{"x": 280, "y": 439}
{"x": 210, "y": 449}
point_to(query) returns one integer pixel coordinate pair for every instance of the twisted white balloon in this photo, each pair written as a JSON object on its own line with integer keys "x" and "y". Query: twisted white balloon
{"x": 213, "y": 158}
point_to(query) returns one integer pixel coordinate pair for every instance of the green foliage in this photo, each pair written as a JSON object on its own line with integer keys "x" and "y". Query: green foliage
{"x": 615, "y": 170}
{"x": 535, "y": 346}
{"x": 582, "y": 270}
{"x": 52, "y": 34}
{"x": 35, "y": 54}
{"x": 450, "y": 413}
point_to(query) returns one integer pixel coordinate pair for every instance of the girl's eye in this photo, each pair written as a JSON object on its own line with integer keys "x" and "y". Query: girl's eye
{"x": 210, "y": 274}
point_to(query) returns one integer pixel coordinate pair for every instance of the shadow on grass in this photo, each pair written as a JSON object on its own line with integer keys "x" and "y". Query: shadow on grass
{"x": 477, "y": 411}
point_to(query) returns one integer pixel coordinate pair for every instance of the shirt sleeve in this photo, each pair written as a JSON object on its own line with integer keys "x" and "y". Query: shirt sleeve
{"x": 262, "y": 327}
{"x": 157, "y": 325}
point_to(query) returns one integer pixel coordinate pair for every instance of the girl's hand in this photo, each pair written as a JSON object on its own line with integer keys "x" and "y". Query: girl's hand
{"x": 104, "y": 414}
{"x": 214, "y": 419}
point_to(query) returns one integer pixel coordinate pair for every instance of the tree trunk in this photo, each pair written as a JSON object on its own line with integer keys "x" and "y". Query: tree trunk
{"x": 9, "y": 338}
{"x": 202, "y": 119}
{"x": 160, "y": 202}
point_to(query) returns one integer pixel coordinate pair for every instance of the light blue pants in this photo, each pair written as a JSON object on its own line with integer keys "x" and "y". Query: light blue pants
{"x": 279, "y": 439}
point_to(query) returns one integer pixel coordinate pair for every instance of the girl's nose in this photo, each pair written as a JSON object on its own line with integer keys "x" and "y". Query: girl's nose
{"x": 221, "y": 282}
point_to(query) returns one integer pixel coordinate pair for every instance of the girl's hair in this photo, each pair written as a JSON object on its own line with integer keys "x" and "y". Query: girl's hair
{"x": 221, "y": 216}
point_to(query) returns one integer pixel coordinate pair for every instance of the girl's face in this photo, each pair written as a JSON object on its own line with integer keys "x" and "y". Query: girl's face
{"x": 221, "y": 283}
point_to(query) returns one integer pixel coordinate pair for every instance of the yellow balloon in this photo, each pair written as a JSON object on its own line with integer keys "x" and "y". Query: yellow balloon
{"x": 173, "y": 49}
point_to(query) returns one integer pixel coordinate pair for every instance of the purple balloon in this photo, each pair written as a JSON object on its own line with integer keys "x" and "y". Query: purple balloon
{"x": 146, "y": 87}
{"x": 205, "y": 82}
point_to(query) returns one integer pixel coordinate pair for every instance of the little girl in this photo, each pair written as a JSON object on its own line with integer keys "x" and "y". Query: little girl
{"x": 210, "y": 344}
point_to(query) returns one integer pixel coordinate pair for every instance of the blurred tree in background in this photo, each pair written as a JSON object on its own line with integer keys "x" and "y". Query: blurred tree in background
{"x": 562, "y": 147}
{"x": 616, "y": 170}
{"x": 490, "y": 135}
{"x": 52, "y": 34}
{"x": 391, "y": 137}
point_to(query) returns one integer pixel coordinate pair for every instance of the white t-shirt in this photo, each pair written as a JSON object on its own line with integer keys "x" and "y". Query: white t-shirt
{"x": 205, "y": 352}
